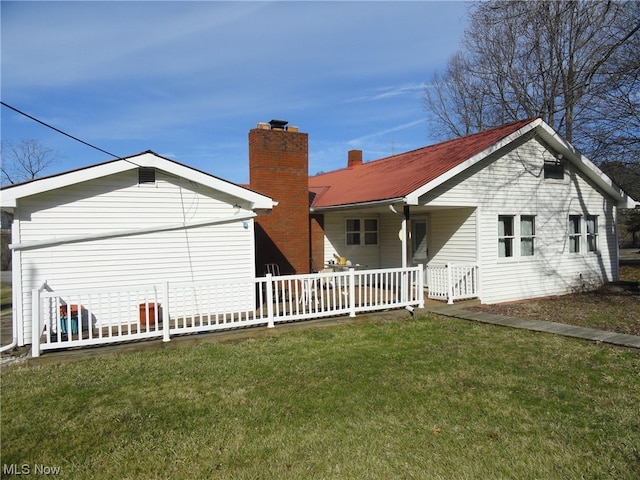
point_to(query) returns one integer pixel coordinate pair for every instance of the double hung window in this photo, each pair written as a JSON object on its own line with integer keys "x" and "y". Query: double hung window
{"x": 592, "y": 233}
{"x": 527, "y": 235}
{"x": 505, "y": 236}
{"x": 361, "y": 231}
{"x": 514, "y": 230}
{"x": 575, "y": 233}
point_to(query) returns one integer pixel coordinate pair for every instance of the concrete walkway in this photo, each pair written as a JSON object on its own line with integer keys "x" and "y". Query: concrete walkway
{"x": 458, "y": 311}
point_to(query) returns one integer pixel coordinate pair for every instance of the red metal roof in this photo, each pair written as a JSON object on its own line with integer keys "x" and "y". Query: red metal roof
{"x": 402, "y": 174}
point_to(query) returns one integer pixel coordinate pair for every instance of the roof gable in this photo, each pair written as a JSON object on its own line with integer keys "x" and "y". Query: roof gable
{"x": 146, "y": 159}
{"x": 398, "y": 176}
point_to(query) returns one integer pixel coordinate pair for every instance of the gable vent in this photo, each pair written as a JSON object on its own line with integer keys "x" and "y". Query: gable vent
{"x": 146, "y": 175}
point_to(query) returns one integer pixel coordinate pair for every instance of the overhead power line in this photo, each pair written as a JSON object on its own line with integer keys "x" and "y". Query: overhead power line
{"x": 57, "y": 129}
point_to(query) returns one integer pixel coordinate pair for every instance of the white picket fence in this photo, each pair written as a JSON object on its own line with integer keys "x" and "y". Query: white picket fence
{"x": 82, "y": 318}
{"x": 449, "y": 282}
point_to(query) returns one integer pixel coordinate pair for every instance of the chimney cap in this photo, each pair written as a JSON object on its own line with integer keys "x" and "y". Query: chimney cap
{"x": 278, "y": 124}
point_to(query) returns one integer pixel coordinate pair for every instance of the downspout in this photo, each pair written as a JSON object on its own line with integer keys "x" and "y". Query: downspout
{"x": 14, "y": 340}
{"x": 16, "y": 279}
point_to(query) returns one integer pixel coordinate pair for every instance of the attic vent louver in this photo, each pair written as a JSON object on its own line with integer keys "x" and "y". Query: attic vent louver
{"x": 146, "y": 175}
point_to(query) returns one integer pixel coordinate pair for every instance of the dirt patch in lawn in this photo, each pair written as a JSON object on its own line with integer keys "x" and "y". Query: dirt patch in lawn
{"x": 613, "y": 307}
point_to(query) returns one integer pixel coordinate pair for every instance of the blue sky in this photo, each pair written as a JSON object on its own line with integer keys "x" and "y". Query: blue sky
{"x": 188, "y": 80}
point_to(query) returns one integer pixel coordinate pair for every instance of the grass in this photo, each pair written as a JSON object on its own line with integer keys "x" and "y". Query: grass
{"x": 5, "y": 299}
{"x": 613, "y": 307}
{"x": 422, "y": 398}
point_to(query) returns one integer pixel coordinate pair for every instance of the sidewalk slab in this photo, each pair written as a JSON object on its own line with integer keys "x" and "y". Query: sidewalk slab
{"x": 613, "y": 338}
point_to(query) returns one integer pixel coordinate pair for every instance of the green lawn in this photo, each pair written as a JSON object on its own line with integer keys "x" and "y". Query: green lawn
{"x": 5, "y": 299}
{"x": 428, "y": 398}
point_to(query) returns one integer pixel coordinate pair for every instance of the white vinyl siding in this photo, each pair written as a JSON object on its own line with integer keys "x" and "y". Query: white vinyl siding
{"x": 452, "y": 236}
{"x": 118, "y": 204}
{"x": 512, "y": 182}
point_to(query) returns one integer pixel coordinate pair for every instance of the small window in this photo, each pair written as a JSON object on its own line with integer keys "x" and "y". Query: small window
{"x": 553, "y": 170}
{"x": 527, "y": 235}
{"x": 146, "y": 175}
{"x": 362, "y": 231}
{"x": 353, "y": 231}
{"x": 505, "y": 236}
{"x": 371, "y": 231}
{"x": 574, "y": 233}
{"x": 592, "y": 233}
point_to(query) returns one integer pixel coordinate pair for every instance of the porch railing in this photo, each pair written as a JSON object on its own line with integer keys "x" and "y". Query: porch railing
{"x": 449, "y": 282}
{"x": 80, "y": 318}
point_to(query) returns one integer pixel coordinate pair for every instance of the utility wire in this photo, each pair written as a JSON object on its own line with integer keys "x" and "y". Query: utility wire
{"x": 57, "y": 130}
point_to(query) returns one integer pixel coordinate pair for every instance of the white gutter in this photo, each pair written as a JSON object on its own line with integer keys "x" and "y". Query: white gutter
{"x": 126, "y": 233}
{"x": 348, "y": 206}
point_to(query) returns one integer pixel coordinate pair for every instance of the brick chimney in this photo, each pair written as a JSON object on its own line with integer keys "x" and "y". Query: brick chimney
{"x": 354, "y": 158}
{"x": 279, "y": 168}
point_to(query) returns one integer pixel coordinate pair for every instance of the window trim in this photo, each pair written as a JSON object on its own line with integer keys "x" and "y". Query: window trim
{"x": 516, "y": 239}
{"x": 531, "y": 236}
{"x": 591, "y": 235}
{"x": 362, "y": 232}
{"x": 575, "y": 234}
{"x": 507, "y": 239}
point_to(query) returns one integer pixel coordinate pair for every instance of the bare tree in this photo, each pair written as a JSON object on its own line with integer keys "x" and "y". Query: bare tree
{"x": 574, "y": 63}
{"x": 25, "y": 161}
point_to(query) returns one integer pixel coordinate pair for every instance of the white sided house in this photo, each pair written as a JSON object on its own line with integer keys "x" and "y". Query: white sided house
{"x": 508, "y": 214}
{"x": 138, "y": 220}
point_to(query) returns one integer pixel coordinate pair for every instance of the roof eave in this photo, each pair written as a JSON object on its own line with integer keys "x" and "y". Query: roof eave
{"x": 146, "y": 159}
{"x": 352, "y": 206}
{"x": 586, "y": 166}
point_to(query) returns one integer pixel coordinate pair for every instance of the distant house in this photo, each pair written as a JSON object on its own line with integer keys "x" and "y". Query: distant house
{"x": 125, "y": 222}
{"x": 519, "y": 204}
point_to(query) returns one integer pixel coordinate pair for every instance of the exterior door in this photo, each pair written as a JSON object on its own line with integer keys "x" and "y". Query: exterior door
{"x": 419, "y": 242}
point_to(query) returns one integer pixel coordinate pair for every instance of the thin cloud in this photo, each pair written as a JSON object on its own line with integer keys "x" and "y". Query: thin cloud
{"x": 389, "y": 92}
{"x": 380, "y": 133}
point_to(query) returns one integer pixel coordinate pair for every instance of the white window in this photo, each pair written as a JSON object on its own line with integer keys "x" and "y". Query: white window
{"x": 514, "y": 230}
{"x": 505, "y": 236}
{"x": 361, "y": 231}
{"x": 527, "y": 235}
{"x": 575, "y": 233}
{"x": 592, "y": 233}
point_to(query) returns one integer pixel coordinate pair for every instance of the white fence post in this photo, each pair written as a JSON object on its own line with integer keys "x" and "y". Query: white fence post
{"x": 35, "y": 322}
{"x": 420, "y": 275}
{"x": 450, "y": 283}
{"x": 352, "y": 292}
{"x": 166, "y": 327}
{"x": 269, "y": 288}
